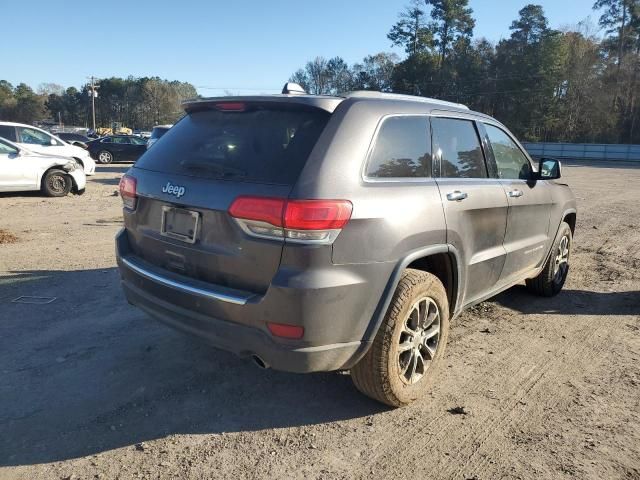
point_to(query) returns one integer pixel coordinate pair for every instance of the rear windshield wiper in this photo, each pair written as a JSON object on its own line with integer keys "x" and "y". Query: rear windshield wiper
{"x": 224, "y": 171}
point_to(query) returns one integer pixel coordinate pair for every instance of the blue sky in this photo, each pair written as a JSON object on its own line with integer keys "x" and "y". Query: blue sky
{"x": 241, "y": 46}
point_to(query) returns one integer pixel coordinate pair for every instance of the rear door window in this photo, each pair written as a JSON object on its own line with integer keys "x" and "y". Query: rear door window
{"x": 457, "y": 144}
{"x": 402, "y": 149}
{"x": 260, "y": 144}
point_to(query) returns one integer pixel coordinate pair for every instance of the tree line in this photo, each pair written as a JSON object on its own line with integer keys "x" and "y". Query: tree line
{"x": 544, "y": 84}
{"x": 137, "y": 103}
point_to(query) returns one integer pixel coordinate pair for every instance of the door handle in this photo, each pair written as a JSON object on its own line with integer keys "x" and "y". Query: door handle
{"x": 515, "y": 193}
{"x": 456, "y": 196}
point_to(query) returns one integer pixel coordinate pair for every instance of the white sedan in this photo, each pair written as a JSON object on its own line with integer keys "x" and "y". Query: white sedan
{"x": 23, "y": 170}
{"x": 37, "y": 140}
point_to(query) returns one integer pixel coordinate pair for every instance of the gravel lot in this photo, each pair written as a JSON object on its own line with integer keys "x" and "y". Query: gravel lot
{"x": 530, "y": 388}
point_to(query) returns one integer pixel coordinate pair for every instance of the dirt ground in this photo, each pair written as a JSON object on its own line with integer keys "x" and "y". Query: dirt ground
{"x": 530, "y": 388}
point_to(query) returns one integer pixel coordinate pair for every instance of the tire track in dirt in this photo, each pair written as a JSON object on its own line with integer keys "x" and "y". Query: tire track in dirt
{"x": 550, "y": 375}
{"x": 522, "y": 378}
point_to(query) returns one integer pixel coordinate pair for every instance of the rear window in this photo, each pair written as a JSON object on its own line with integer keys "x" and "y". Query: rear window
{"x": 402, "y": 149}
{"x": 260, "y": 145}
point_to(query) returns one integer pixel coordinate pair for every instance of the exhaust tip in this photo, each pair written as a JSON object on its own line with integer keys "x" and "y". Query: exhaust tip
{"x": 260, "y": 362}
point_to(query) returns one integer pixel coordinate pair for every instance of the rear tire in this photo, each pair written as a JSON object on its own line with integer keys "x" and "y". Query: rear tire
{"x": 105, "y": 156}
{"x": 551, "y": 280}
{"x": 410, "y": 343}
{"x": 56, "y": 183}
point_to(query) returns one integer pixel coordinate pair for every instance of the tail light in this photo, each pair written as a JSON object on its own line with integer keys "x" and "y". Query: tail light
{"x": 304, "y": 221}
{"x": 128, "y": 193}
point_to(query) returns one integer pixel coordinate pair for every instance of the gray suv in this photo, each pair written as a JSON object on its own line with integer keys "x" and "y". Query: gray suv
{"x": 318, "y": 233}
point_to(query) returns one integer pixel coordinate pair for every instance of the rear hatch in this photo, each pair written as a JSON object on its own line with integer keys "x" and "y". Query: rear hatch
{"x": 188, "y": 180}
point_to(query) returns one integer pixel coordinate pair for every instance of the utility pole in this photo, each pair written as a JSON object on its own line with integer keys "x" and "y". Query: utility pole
{"x": 94, "y": 94}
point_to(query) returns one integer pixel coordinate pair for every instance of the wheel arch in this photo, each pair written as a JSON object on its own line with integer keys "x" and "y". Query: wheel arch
{"x": 570, "y": 216}
{"x": 441, "y": 260}
{"x": 47, "y": 170}
{"x": 59, "y": 168}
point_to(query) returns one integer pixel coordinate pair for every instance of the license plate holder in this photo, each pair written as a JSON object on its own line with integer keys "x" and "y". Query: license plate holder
{"x": 180, "y": 224}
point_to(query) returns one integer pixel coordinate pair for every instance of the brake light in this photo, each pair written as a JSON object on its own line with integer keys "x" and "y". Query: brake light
{"x": 285, "y": 331}
{"x": 128, "y": 191}
{"x": 262, "y": 209}
{"x": 231, "y": 106}
{"x": 317, "y": 214}
{"x": 307, "y": 221}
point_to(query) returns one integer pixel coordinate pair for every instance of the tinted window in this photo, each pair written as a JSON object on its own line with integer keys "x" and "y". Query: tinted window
{"x": 120, "y": 140}
{"x": 8, "y": 132}
{"x": 401, "y": 149}
{"x": 259, "y": 144}
{"x": 137, "y": 141}
{"x": 106, "y": 140}
{"x": 459, "y": 147}
{"x": 510, "y": 160}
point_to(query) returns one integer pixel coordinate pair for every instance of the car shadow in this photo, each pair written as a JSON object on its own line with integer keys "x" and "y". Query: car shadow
{"x": 106, "y": 181}
{"x": 571, "y": 302}
{"x": 87, "y": 372}
{"x": 113, "y": 168}
{"x": 30, "y": 193}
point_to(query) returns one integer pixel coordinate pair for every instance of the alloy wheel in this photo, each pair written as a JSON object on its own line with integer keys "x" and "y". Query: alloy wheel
{"x": 561, "y": 260}
{"x": 418, "y": 341}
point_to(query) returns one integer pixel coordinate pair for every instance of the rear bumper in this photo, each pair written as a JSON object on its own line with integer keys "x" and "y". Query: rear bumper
{"x": 335, "y": 316}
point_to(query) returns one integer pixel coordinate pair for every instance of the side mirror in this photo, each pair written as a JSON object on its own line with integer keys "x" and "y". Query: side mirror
{"x": 549, "y": 169}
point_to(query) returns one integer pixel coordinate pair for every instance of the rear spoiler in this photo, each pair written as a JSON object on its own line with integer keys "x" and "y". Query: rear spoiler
{"x": 325, "y": 103}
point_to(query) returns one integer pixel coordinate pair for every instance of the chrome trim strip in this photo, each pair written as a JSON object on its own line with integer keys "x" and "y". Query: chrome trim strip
{"x": 223, "y": 297}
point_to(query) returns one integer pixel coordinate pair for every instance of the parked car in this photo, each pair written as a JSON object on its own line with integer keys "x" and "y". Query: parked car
{"x": 117, "y": 148}
{"x": 142, "y": 133}
{"x": 318, "y": 233}
{"x": 74, "y": 139}
{"x": 157, "y": 132}
{"x": 23, "y": 170}
{"x": 41, "y": 141}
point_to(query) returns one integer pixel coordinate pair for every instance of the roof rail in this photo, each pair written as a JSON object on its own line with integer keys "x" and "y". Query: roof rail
{"x": 398, "y": 96}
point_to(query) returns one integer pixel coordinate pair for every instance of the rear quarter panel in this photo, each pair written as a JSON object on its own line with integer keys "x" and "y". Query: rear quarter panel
{"x": 391, "y": 218}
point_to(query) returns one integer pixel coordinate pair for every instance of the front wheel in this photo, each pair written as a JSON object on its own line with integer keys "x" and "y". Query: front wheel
{"x": 551, "y": 280}
{"x": 56, "y": 183}
{"x": 104, "y": 156}
{"x": 400, "y": 364}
